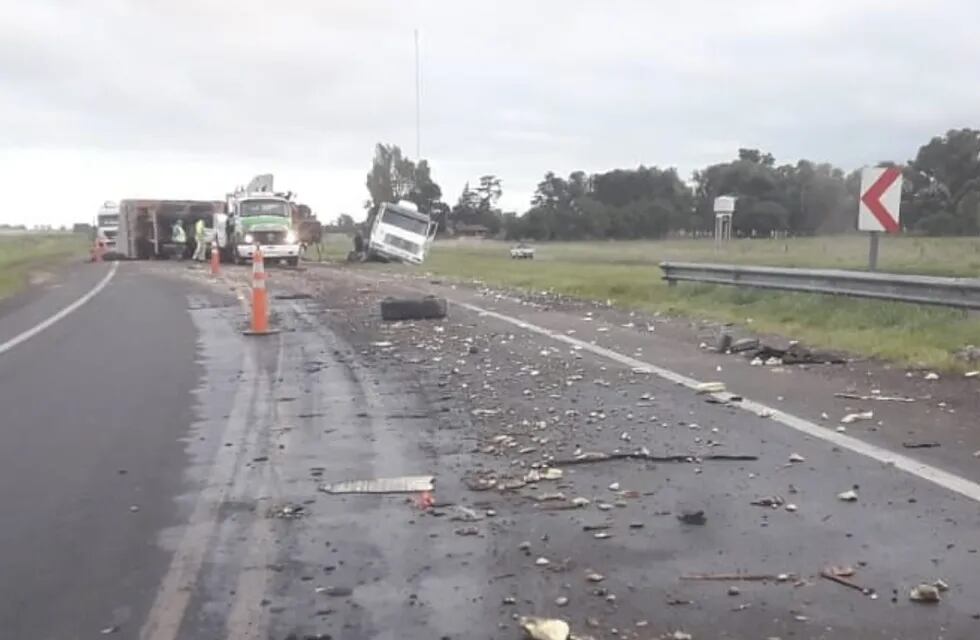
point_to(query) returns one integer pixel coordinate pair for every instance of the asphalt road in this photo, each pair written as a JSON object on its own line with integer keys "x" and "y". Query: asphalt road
{"x": 160, "y": 472}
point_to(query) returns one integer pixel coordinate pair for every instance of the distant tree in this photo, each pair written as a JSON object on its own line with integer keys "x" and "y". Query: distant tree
{"x": 394, "y": 177}
{"x": 344, "y": 222}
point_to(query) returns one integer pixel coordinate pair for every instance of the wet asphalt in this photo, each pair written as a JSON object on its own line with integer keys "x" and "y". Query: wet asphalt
{"x": 151, "y": 398}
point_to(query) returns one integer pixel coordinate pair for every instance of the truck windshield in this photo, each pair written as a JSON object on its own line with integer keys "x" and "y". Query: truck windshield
{"x": 406, "y": 222}
{"x": 264, "y": 208}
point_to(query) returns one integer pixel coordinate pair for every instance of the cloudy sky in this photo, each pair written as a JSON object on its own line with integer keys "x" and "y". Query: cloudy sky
{"x": 109, "y": 99}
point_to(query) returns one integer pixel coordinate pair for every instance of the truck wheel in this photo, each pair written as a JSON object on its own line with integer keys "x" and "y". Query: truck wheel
{"x": 426, "y": 308}
{"x": 293, "y": 262}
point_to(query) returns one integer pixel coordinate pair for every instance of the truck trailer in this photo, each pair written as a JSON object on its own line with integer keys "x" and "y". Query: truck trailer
{"x": 145, "y": 226}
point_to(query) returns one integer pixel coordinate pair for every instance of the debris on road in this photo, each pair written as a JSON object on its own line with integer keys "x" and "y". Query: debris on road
{"x": 925, "y": 593}
{"x": 842, "y": 575}
{"x": 920, "y": 445}
{"x": 287, "y": 511}
{"x": 109, "y": 630}
{"x": 710, "y": 387}
{"x": 747, "y": 577}
{"x": 795, "y": 457}
{"x": 932, "y": 375}
{"x": 681, "y": 635}
{"x": 595, "y": 577}
{"x": 773, "y": 502}
{"x": 854, "y": 417}
{"x": 544, "y": 628}
{"x": 403, "y": 484}
{"x": 876, "y": 397}
{"x": 848, "y": 496}
{"x": 595, "y": 456}
{"x": 692, "y": 517}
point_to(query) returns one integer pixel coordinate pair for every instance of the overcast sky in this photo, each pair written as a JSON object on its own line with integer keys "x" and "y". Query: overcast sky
{"x": 187, "y": 98}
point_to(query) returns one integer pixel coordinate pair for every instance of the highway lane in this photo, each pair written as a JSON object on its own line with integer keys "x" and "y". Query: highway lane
{"x": 94, "y": 411}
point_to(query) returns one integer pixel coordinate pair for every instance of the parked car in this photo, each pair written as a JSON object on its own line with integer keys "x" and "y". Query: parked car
{"x": 522, "y": 252}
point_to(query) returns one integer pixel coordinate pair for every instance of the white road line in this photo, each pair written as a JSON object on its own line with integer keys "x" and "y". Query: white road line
{"x": 38, "y": 328}
{"x": 922, "y": 470}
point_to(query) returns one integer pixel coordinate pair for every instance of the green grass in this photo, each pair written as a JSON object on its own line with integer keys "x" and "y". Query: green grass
{"x": 22, "y": 253}
{"x": 627, "y": 274}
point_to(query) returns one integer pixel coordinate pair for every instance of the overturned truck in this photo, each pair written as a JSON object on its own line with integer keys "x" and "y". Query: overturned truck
{"x": 146, "y": 226}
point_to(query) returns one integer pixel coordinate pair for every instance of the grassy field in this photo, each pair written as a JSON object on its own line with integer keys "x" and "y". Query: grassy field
{"x": 22, "y": 253}
{"x": 627, "y": 274}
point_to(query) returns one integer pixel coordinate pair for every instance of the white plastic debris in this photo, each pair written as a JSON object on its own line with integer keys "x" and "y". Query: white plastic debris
{"x": 854, "y": 417}
{"x": 595, "y": 577}
{"x": 848, "y": 496}
{"x": 757, "y": 362}
{"x": 971, "y": 374}
{"x": 614, "y": 486}
{"x": 681, "y": 635}
{"x": 544, "y": 628}
{"x": 710, "y": 387}
{"x": 403, "y": 484}
{"x": 924, "y": 593}
{"x": 932, "y": 375}
{"x": 795, "y": 457}
{"x": 552, "y": 473}
{"x": 791, "y": 507}
{"x": 542, "y": 562}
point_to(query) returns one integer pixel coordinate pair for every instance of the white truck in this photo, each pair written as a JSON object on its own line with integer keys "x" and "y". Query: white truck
{"x": 107, "y": 225}
{"x": 257, "y": 215}
{"x": 400, "y": 232}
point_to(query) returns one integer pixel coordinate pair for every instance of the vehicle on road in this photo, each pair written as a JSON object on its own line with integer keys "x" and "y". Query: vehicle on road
{"x": 257, "y": 215}
{"x": 522, "y": 252}
{"x": 107, "y": 224}
{"x": 401, "y": 233}
{"x": 146, "y": 226}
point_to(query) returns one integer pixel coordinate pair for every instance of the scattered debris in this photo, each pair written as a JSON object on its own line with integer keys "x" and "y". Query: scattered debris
{"x": 595, "y": 456}
{"x": 842, "y": 575}
{"x": 877, "y": 397}
{"x": 383, "y": 344}
{"x": 969, "y": 353}
{"x": 403, "y": 484}
{"x": 287, "y": 511}
{"x": 749, "y": 577}
{"x": 544, "y": 628}
{"x": 595, "y": 577}
{"x": 941, "y": 585}
{"x": 681, "y": 635}
{"x": 542, "y": 562}
{"x": 467, "y": 531}
{"x": 925, "y": 593}
{"x": 109, "y": 630}
{"x": 710, "y": 387}
{"x": 425, "y": 500}
{"x": 734, "y": 591}
{"x": 561, "y": 601}
{"x": 854, "y": 417}
{"x": 795, "y": 457}
{"x": 971, "y": 374}
{"x": 932, "y": 375}
{"x": 692, "y": 517}
{"x": 773, "y": 502}
{"x": 335, "y": 592}
{"x": 743, "y": 344}
{"x": 920, "y": 445}
{"x": 848, "y": 496}
{"x": 792, "y": 508}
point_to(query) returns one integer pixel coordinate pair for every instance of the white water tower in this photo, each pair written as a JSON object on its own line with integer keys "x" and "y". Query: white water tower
{"x": 724, "y": 210}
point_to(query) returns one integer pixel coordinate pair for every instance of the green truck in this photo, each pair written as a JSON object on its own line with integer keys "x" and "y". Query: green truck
{"x": 258, "y": 216}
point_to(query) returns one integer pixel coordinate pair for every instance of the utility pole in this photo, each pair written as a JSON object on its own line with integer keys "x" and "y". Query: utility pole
{"x": 418, "y": 101}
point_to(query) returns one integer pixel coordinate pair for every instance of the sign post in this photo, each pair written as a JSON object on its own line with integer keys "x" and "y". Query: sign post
{"x": 724, "y": 210}
{"x": 878, "y": 206}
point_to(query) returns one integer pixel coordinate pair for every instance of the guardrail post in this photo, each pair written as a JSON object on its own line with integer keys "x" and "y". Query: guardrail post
{"x": 873, "y": 252}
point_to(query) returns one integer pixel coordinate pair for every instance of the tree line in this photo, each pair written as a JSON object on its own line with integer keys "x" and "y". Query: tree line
{"x": 940, "y": 196}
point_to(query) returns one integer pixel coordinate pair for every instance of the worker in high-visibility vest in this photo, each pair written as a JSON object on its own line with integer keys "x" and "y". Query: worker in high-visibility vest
{"x": 200, "y": 251}
{"x": 179, "y": 238}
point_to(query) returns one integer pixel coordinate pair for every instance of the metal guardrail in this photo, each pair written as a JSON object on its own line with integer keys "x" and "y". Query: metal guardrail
{"x": 963, "y": 293}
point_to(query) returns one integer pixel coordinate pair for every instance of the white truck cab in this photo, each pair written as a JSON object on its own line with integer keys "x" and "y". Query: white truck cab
{"x": 107, "y": 224}
{"x": 401, "y": 232}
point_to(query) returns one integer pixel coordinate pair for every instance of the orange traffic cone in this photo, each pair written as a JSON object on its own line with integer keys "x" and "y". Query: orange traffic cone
{"x": 260, "y": 298}
{"x": 215, "y": 259}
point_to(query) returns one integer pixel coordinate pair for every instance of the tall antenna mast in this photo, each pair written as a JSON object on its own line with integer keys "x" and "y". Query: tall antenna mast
{"x": 418, "y": 101}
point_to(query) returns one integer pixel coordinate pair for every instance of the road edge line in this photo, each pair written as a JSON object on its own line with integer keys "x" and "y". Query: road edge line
{"x": 935, "y": 475}
{"x": 41, "y": 326}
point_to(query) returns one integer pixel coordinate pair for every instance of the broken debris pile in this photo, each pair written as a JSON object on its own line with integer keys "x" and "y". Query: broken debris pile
{"x": 794, "y": 353}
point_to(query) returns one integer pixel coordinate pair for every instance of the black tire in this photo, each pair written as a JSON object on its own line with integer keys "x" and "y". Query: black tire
{"x": 427, "y": 308}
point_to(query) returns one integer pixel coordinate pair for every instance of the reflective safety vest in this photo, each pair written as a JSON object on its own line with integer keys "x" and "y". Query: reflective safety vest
{"x": 199, "y": 230}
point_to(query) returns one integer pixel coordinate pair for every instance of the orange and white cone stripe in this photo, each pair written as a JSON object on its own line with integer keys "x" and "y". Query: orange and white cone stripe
{"x": 215, "y": 258}
{"x": 260, "y": 297}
